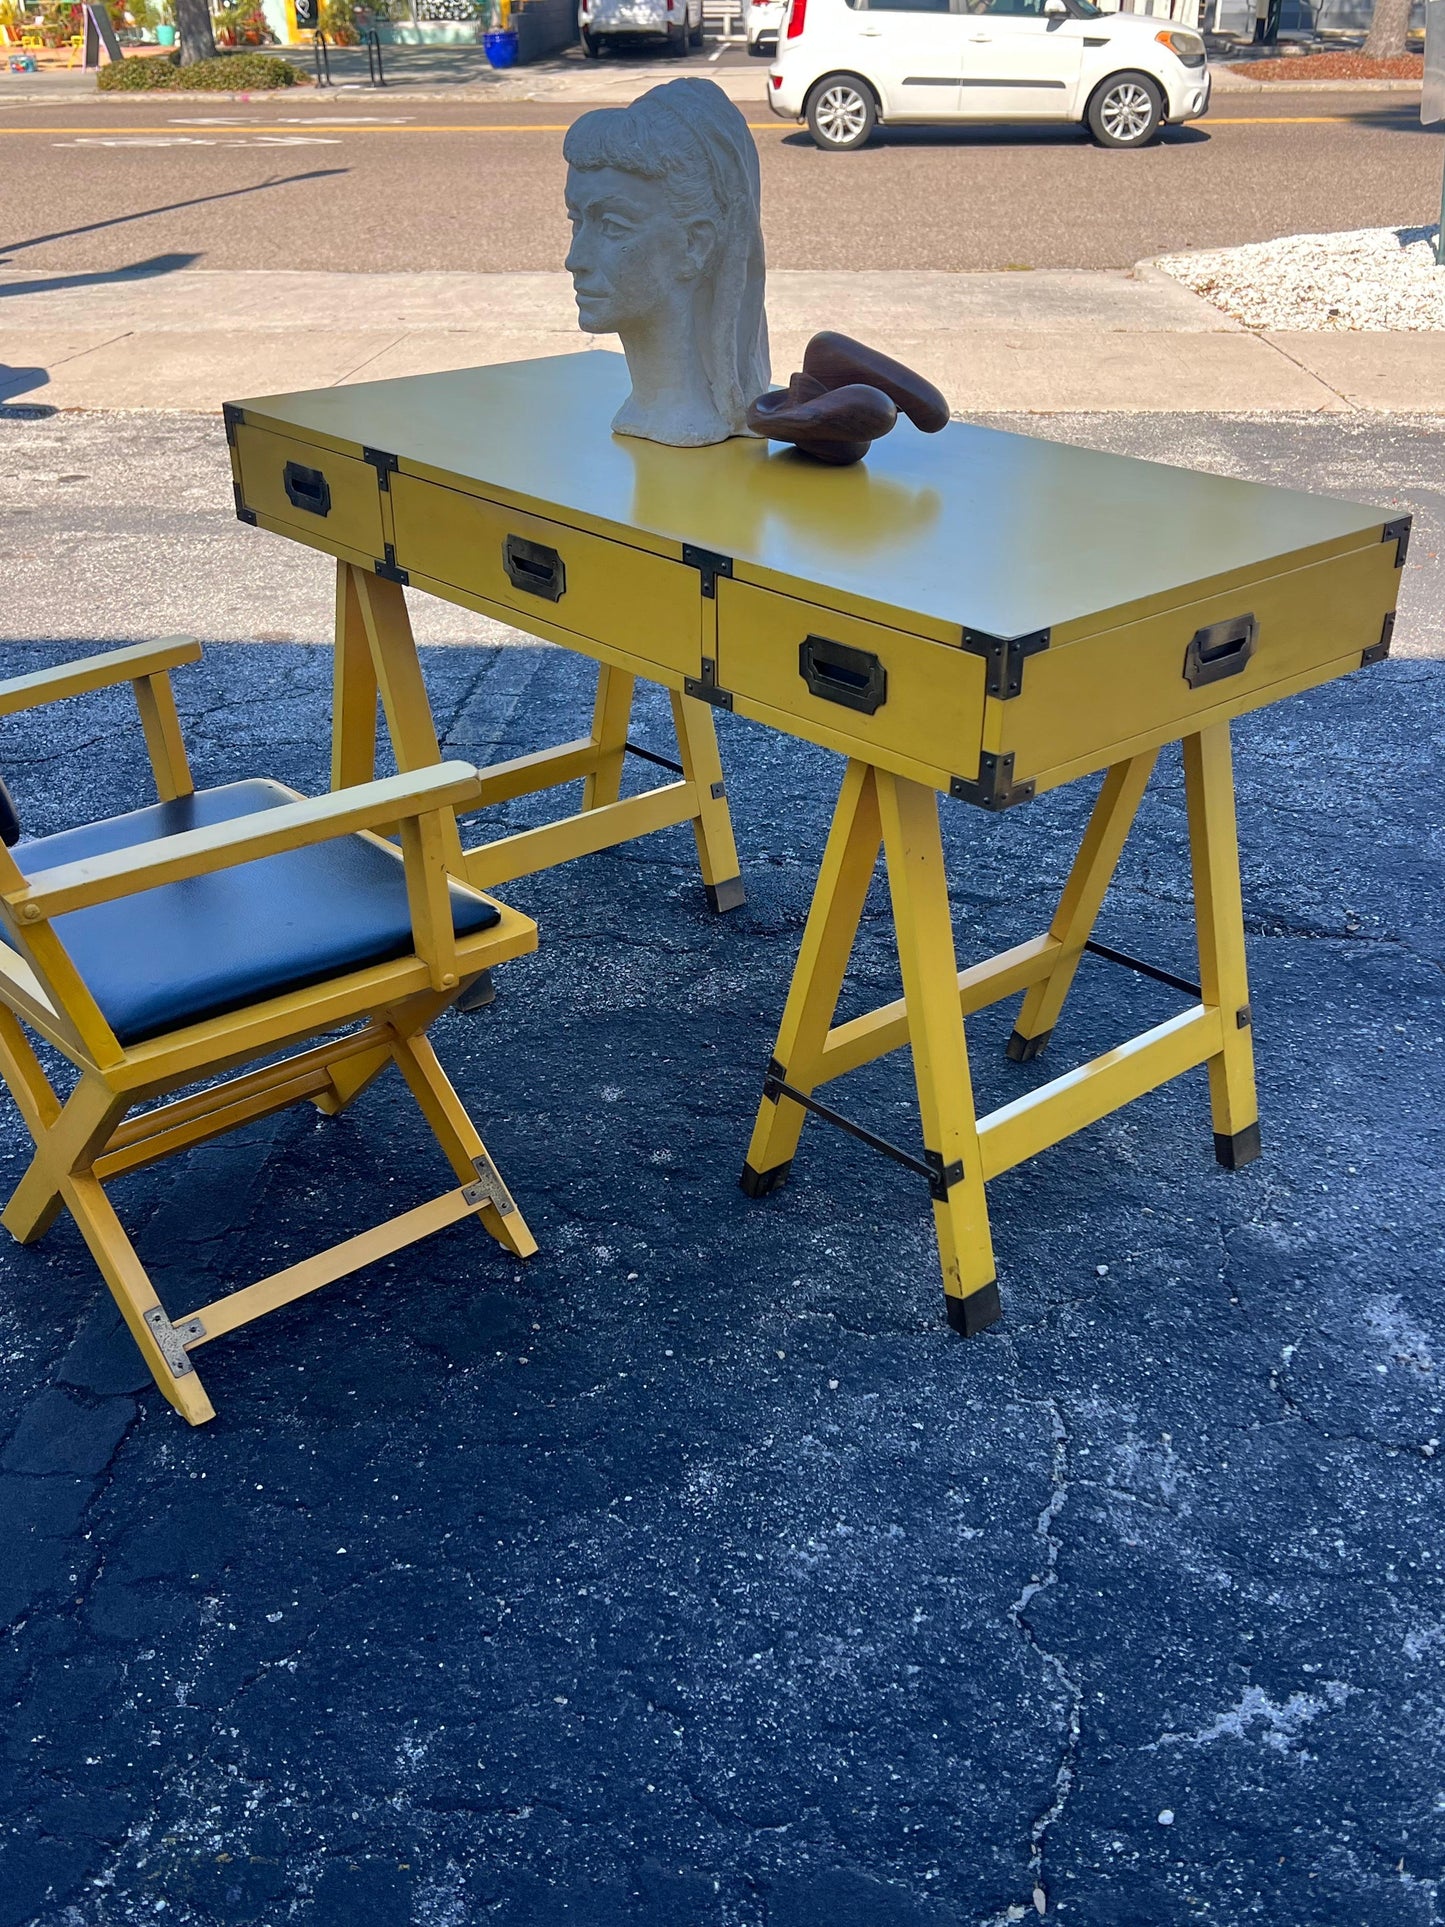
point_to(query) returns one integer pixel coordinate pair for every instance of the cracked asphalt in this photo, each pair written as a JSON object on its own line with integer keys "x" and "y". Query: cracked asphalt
{"x": 693, "y": 1572}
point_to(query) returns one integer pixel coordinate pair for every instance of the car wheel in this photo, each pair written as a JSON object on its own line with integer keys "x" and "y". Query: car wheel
{"x": 694, "y": 37}
{"x": 1126, "y": 111}
{"x": 677, "y": 39}
{"x": 590, "y": 49}
{"x": 841, "y": 113}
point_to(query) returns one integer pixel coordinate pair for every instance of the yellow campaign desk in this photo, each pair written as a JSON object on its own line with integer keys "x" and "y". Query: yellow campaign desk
{"x": 981, "y": 615}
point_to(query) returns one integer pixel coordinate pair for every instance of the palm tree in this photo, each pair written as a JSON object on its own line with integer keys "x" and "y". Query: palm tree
{"x": 193, "y": 24}
{"x": 1388, "y": 24}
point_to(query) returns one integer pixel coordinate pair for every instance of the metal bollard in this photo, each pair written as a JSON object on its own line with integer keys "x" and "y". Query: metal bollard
{"x": 321, "y": 55}
{"x": 373, "y": 59}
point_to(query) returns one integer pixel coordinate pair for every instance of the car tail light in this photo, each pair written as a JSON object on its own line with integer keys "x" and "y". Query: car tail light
{"x": 797, "y": 18}
{"x": 777, "y": 79}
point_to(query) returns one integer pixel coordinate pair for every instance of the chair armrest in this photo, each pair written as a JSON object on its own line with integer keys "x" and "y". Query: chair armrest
{"x": 243, "y": 839}
{"x": 96, "y": 672}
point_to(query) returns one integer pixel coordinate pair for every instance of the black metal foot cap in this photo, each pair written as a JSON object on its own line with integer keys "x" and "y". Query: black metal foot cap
{"x": 757, "y": 1184}
{"x": 1242, "y": 1148}
{"x": 477, "y": 992}
{"x": 971, "y": 1315}
{"x": 1023, "y": 1050}
{"x": 726, "y": 896}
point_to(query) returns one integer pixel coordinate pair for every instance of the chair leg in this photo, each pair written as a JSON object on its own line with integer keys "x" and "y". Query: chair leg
{"x": 172, "y": 1370}
{"x": 458, "y": 1137}
{"x": 82, "y": 1128}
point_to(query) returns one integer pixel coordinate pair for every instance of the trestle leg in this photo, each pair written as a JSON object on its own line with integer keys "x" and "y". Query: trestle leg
{"x": 717, "y": 852}
{"x": 1093, "y": 870}
{"x": 611, "y": 714}
{"x": 849, "y": 860}
{"x": 1219, "y": 920}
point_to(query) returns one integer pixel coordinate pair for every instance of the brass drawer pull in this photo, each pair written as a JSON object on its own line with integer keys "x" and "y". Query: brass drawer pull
{"x": 1221, "y": 650}
{"x": 535, "y": 568}
{"x": 853, "y": 677}
{"x": 307, "y": 488}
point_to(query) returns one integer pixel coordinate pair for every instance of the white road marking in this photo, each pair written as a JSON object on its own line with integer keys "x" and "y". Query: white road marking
{"x": 291, "y": 120}
{"x": 199, "y": 140}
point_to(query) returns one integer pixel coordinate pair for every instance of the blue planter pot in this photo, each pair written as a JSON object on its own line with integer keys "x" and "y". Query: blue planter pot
{"x": 501, "y": 46}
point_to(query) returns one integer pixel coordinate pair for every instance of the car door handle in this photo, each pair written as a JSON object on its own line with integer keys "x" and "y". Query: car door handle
{"x": 870, "y": 33}
{"x": 980, "y": 36}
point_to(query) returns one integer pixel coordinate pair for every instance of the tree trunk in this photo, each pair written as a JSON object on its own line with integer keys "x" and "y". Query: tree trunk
{"x": 193, "y": 26}
{"x": 1386, "y": 38}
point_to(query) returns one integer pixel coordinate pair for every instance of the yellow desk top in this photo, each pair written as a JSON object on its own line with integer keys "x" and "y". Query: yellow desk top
{"x": 1005, "y": 534}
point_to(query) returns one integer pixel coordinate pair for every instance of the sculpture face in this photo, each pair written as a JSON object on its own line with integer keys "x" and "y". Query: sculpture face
{"x": 630, "y": 255}
{"x": 667, "y": 252}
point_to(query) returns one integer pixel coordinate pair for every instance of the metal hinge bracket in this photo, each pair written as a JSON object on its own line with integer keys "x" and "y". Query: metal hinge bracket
{"x": 173, "y": 1339}
{"x": 387, "y": 568}
{"x": 709, "y": 565}
{"x": 488, "y": 1188}
{"x": 383, "y": 463}
{"x": 1378, "y": 651}
{"x": 1398, "y": 532}
{"x": 1004, "y": 658}
{"x": 942, "y": 1177}
{"x": 994, "y": 788}
{"x": 706, "y": 686}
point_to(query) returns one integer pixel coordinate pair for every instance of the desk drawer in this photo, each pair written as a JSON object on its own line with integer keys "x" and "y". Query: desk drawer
{"x": 1199, "y": 663}
{"x": 551, "y": 576}
{"x": 330, "y": 501}
{"x": 912, "y": 705}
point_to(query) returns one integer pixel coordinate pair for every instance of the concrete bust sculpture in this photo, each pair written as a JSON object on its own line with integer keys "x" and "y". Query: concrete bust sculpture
{"x": 667, "y": 252}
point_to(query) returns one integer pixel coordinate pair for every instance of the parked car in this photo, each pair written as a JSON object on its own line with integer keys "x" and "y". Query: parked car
{"x": 625, "y": 22}
{"x": 845, "y": 66}
{"x": 763, "y": 23}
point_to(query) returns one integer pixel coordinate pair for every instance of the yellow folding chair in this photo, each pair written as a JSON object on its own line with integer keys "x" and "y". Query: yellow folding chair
{"x": 217, "y": 928}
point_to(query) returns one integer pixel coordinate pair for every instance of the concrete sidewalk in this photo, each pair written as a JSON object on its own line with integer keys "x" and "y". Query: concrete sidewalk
{"x": 1040, "y": 341}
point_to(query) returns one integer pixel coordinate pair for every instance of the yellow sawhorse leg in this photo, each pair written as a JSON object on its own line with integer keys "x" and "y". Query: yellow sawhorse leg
{"x": 376, "y": 656}
{"x": 1093, "y": 870}
{"x": 875, "y": 807}
{"x": 1219, "y": 921}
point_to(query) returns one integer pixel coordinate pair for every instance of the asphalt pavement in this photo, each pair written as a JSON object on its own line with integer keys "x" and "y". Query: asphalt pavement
{"x": 365, "y": 184}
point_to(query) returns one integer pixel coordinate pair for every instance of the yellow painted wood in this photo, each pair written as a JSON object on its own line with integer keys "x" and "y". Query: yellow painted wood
{"x": 244, "y": 839}
{"x": 1068, "y": 1104}
{"x": 1082, "y": 697}
{"x": 425, "y": 852}
{"x": 89, "y": 673}
{"x": 1219, "y": 922}
{"x": 712, "y": 826}
{"x": 89, "y": 1116}
{"x": 541, "y": 769}
{"x": 1083, "y": 896}
{"x": 457, "y": 1135}
{"x": 933, "y": 707}
{"x": 613, "y": 592}
{"x": 863, "y": 1039}
{"x": 510, "y": 857}
{"x": 354, "y": 518}
{"x": 354, "y": 692}
{"x": 296, "y": 1281}
{"x": 611, "y": 716}
{"x": 165, "y": 745}
{"x": 1004, "y": 533}
{"x": 849, "y": 860}
{"x": 913, "y": 851}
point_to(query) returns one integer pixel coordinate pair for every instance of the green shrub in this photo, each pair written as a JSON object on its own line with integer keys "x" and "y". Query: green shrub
{"x": 246, "y": 73}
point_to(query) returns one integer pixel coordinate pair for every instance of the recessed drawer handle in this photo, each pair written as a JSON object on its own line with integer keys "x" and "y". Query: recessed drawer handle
{"x": 853, "y": 677}
{"x": 1221, "y": 650}
{"x": 307, "y": 488}
{"x": 535, "y": 568}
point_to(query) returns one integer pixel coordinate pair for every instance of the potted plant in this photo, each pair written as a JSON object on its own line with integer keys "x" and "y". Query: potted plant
{"x": 500, "y": 38}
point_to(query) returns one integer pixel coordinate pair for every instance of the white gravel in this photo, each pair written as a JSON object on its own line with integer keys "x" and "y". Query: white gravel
{"x": 1379, "y": 278}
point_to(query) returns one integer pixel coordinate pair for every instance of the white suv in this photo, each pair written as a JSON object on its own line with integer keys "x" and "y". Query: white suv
{"x": 846, "y": 65}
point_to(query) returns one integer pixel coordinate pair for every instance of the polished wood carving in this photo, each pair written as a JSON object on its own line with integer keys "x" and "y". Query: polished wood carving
{"x": 844, "y": 398}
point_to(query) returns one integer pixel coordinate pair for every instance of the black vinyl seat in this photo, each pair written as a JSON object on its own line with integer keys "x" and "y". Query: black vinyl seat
{"x": 196, "y": 949}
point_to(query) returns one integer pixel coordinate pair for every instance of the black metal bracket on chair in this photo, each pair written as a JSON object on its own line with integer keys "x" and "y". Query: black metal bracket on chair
{"x": 941, "y": 1177}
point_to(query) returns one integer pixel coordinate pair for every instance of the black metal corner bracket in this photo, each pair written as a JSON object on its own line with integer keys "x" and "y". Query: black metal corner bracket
{"x": 941, "y": 1177}
{"x": 706, "y": 687}
{"x": 1398, "y": 532}
{"x": 709, "y": 565}
{"x": 234, "y": 418}
{"x": 1004, "y": 658}
{"x": 994, "y": 788}
{"x": 383, "y": 463}
{"x": 387, "y": 569}
{"x": 1378, "y": 651}
{"x": 243, "y": 514}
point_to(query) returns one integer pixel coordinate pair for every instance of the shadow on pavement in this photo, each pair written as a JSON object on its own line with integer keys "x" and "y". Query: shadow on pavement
{"x": 149, "y": 270}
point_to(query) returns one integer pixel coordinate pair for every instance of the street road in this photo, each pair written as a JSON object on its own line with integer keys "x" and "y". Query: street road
{"x": 368, "y": 184}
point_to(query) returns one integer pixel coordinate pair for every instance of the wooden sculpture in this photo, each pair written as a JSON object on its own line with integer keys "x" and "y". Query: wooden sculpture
{"x": 846, "y": 396}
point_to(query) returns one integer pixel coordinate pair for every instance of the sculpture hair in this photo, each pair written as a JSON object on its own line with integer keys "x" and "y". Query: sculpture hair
{"x": 689, "y": 135}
